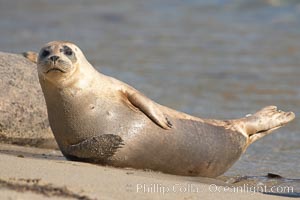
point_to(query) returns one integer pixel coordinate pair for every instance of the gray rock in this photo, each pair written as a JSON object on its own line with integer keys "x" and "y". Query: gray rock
{"x": 23, "y": 114}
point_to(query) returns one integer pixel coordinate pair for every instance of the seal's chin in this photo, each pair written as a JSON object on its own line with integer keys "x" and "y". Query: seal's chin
{"x": 54, "y": 69}
{"x": 48, "y": 68}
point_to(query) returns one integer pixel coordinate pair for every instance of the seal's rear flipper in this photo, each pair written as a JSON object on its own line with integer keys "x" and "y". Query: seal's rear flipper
{"x": 30, "y": 55}
{"x": 266, "y": 121}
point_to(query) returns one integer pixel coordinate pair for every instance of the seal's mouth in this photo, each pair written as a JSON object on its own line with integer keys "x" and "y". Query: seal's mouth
{"x": 55, "y": 69}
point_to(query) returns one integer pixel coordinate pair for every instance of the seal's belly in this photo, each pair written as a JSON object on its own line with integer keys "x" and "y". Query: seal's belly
{"x": 113, "y": 133}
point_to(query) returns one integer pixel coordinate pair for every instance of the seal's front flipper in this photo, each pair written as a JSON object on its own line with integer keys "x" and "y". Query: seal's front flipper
{"x": 96, "y": 149}
{"x": 30, "y": 55}
{"x": 266, "y": 121}
{"x": 149, "y": 108}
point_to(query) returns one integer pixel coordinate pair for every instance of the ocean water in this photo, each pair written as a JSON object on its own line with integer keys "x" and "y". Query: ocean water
{"x": 210, "y": 58}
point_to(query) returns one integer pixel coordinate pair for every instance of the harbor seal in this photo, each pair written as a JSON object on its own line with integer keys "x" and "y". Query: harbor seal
{"x": 99, "y": 119}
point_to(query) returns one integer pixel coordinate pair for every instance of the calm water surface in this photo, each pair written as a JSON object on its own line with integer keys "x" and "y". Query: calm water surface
{"x": 210, "y": 58}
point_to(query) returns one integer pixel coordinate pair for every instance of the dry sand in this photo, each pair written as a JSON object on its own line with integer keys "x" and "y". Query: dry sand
{"x": 31, "y": 173}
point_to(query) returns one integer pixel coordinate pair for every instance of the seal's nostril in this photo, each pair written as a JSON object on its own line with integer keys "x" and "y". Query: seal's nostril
{"x": 54, "y": 58}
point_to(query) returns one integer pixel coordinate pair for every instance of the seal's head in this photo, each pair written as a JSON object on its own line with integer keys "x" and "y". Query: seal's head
{"x": 59, "y": 60}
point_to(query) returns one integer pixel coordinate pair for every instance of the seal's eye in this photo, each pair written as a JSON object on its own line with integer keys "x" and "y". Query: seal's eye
{"x": 45, "y": 53}
{"x": 68, "y": 51}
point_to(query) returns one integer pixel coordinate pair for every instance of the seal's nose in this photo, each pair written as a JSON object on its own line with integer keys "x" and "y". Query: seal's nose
{"x": 54, "y": 58}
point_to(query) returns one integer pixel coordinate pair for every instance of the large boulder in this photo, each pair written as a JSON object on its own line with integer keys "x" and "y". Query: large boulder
{"x": 23, "y": 114}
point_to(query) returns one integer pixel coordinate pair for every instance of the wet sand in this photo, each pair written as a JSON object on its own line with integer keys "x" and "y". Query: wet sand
{"x": 30, "y": 173}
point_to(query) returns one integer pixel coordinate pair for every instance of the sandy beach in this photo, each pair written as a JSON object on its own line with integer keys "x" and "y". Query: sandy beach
{"x": 30, "y": 173}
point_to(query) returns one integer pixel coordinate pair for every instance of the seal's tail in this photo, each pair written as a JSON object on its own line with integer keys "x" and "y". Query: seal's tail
{"x": 266, "y": 121}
